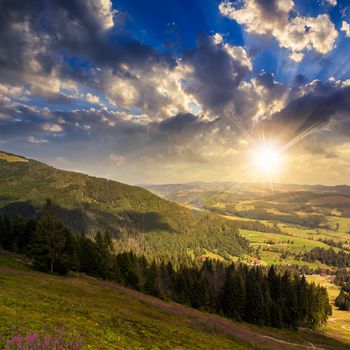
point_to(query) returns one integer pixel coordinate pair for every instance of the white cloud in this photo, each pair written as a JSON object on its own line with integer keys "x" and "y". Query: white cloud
{"x": 10, "y": 91}
{"x": 332, "y": 2}
{"x": 92, "y": 98}
{"x": 32, "y": 139}
{"x": 104, "y": 12}
{"x": 51, "y": 127}
{"x": 345, "y": 27}
{"x": 298, "y": 34}
{"x": 156, "y": 90}
{"x": 296, "y": 56}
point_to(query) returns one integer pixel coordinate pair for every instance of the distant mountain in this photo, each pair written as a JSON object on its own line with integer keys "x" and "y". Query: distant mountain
{"x": 187, "y": 192}
{"x": 138, "y": 219}
{"x": 233, "y": 198}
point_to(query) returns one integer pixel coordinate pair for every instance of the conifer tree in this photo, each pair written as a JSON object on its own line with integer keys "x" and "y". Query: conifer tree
{"x": 343, "y": 300}
{"x": 151, "y": 285}
{"x": 51, "y": 244}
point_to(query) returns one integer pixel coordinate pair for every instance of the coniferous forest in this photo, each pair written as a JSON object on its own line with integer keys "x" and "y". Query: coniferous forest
{"x": 253, "y": 294}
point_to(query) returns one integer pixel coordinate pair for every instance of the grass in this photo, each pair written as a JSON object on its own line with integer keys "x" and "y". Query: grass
{"x": 12, "y": 158}
{"x": 298, "y": 240}
{"x": 107, "y": 316}
{"x": 339, "y": 324}
{"x": 273, "y": 245}
{"x": 102, "y": 318}
{"x": 344, "y": 223}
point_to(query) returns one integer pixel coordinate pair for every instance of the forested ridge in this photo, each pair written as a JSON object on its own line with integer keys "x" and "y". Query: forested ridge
{"x": 135, "y": 218}
{"x": 253, "y": 294}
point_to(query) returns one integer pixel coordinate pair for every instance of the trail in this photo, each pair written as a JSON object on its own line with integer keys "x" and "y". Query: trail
{"x": 215, "y": 323}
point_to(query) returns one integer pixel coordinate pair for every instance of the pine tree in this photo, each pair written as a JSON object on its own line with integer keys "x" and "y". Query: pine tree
{"x": 18, "y": 232}
{"x": 50, "y": 245}
{"x": 274, "y": 283}
{"x": 276, "y": 315}
{"x": 343, "y": 300}
{"x": 6, "y": 233}
{"x": 104, "y": 247}
{"x": 151, "y": 285}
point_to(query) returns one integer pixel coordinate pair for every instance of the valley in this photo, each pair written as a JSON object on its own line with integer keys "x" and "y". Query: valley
{"x": 306, "y": 217}
{"x": 244, "y": 225}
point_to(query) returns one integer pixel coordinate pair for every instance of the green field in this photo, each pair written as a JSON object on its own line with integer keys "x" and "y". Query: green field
{"x": 339, "y": 323}
{"x": 296, "y": 241}
{"x": 104, "y": 315}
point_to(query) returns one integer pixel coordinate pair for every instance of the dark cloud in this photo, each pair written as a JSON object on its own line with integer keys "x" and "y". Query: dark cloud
{"x": 215, "y": 74}
{"x": 48, "y": 31}
{"x": 322, "y": 102}
{"x": 182, "y": 122}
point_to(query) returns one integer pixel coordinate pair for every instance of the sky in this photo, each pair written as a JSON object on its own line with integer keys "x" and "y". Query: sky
{"x": 172, "y": 91}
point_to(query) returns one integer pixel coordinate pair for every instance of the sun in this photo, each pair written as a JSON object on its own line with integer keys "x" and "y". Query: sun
{"x": 267, "y": 160}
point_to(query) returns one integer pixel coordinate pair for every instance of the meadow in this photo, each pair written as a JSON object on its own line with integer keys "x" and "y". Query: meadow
{"x": 339, "y": 323}
{"x": 104, "y": 315}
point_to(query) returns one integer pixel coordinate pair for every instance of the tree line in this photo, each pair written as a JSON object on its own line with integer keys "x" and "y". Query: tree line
{"x": 342, "y": 279}
{"x": 329, "y": 257}
{"x": 312, "y": 221}
{"x": 258, "y": 226}
{"x": 252, "y": 294}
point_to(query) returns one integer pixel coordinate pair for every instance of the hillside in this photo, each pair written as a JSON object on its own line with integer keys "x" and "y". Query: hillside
{"x": 104, "y": 315}
{"x": 307, "y": 216}
{"x": 138, "y": 219}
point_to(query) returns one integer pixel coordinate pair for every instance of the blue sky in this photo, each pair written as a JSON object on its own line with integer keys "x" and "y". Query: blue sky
{"x": 175, "y": 91}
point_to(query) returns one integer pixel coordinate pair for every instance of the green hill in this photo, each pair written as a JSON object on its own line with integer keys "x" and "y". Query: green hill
{"x": 138, "y": 219}
{"x": 103, "y": 315}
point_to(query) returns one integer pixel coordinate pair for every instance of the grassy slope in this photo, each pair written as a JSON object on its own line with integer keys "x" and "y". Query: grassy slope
{"x": 339, "y": 323}
{"x": 107, "y": 316}
{"x": 143, "y": 221}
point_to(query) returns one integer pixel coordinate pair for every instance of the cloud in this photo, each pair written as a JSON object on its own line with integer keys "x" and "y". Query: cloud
{"x": 37, "y": 46}
{"x": 32, "y": 139}
{"x": 161, "y": 114}
{"x": 345, "y": 27}
{"x": 214, "y": 71}
{"x": 52, "y": 127}
{"x": 320, "y": 106}
{"x": 92, "y": 98}
{"x": 103, "y": 10}
{"x": 274, "y": 17}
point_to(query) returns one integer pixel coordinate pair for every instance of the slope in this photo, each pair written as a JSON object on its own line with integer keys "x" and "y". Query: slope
{"x": 104, "y": 315}
{"x": 138, "y": 219}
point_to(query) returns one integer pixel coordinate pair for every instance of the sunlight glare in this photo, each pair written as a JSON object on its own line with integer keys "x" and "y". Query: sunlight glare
{"x": 267, "y": 160}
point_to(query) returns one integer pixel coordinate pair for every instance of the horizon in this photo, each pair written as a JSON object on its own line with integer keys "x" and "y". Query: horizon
{"x": 188, "y": 182}
{"x": 252, "y": 91}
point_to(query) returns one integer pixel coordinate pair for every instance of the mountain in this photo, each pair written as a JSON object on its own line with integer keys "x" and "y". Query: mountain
{"x": 137, "y": 219}
{"x": 232, "y": 198}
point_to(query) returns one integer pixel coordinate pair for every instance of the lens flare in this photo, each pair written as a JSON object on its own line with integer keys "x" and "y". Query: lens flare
{"x": 267, "y": 160}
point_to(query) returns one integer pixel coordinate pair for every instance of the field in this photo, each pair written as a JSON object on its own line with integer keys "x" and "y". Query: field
{"x": 104, "y": 315}
{"x": 339, "y": 323}
{"x": 295, "y": 242}
{"x": 308, "y": 216}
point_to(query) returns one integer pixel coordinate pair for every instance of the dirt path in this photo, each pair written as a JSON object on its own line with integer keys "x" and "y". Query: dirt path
{"x": 210, "y": 322}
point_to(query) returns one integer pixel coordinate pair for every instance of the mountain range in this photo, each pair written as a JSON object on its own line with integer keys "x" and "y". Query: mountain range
{"x": 136, "y": 218}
